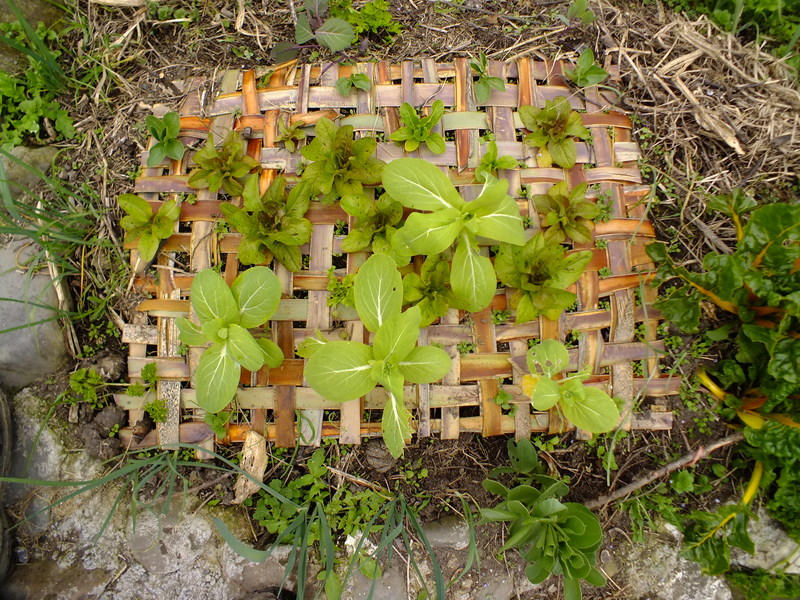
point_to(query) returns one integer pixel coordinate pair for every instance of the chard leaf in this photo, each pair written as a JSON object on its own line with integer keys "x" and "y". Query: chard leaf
{"x": 588, "y": 408}
{"x": 341, "y": 371}
{"x": 378, "y": 291}
{"x": 257, "y": 292}
{"x": 190, "y": 334}
{"x": 420, "y": 185}
{"x": 216, "y": 378}
{"x": 148, "y": 246}
{"x": 244, "y": 349}
{"x": 398, "y": 335}
{"x": 429, "y": 233}
{"x": 498, "y": 215}
{"x": 212, "y": 298}
{"x": 472, "y": 277}
{"x": 396, "y": 420}
{"x": 273, "y": 355}
{"x": 549, "y": 357}
{"x": 425, "y": 364}
{"x": 546, "y": 394}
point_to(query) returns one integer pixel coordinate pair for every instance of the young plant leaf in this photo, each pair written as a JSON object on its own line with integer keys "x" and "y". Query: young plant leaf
{"x": 378, "y": 291}
{"x": 216, "y": 378}
{"x": 341, "y": 371}
{"x": 335, "y": 34}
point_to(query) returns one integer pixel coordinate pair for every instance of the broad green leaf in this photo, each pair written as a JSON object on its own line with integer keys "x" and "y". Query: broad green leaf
{"x": 425, "y": 364}
{"x": 472, "y": 276}
{"x": 340, "y": 371}
{"x": 435, "y": 143}
{"x": 335, "y": 34}
{"x": 190, "y": 334}
{"x": 302, "y": 29}
{"x": 216, "y": 378}
{"x": 429, "y": 233}
{"x": 212, "y": 298}
{"x": 156, "y": 154}
{"x": 550, "y": 357}
{"x": 398, "y": 335}
{"x": 595, "y": 411}
{"x": 563, "y": 152}
{"x": 137, "y": 208}
{"x": 244, "y": 349}
{"x": 418, "y": 184}
{"x": 273, "y": 355}
{"x": 148, "y": 246}
{"x": 377, "y": 291}
{"x": 546, "y": 394}
{"x": 171, "y": 211}
{"x": 161, "y": 227}
{"x": 257, "y": 291}
{"x": 396, "y": 420}
{"x": 497, "y": 215}
{"x": 174, "y": 149}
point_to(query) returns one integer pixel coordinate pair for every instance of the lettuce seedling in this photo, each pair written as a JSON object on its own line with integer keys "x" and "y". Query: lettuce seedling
{"x": 225, "y": 315}
{"x": 290, "y": 134}
{"x": 540, "y": 273}
{"x": 271, "y": 224}
{"x": 568, "y": 214}
{"x": 589, "y": 408}
{"x": 430, "y": 290}
{"x": 553, "y": 537}
{"x": 586, "y": 73}
{"x": 341, "y": 166}
{"x": 165, "y": 131}
{"x": 374, "y": 225}
{"x": 342, "y": 371}
{"x": 486, "y": 83}
{"x": 493, "y": 215}
{"x": 147, "y": 227}
{"x": 490, "y": 163}
{"x": 552, "y": 130}
{"x": 417, "y": 130}
{"x": 222, "y": 167}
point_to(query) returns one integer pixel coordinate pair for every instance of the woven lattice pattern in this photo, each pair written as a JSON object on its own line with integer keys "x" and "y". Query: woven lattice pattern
{"x": 613, "y": 329}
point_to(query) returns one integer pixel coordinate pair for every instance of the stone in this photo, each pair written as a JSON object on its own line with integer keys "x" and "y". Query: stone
{"x": 655, "y": 570}
{"x": 450, "y": 532}
{"x": 390, "y": 586}
{"x": 378, "y": 456}
{"x": 108, "y": 418}
{"x": 36, "y": 349}
{"x": 21, "y": 179}
{"x": 772, "y": 546}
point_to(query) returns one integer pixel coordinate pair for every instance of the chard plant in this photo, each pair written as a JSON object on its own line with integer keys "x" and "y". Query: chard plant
{"x": 586, "y": 407}
{"x": 417, "y": 130}
{"x": 222, "y": 167}
{"x": 493, "y": 215}
{"x": 346, "y": 370}
{"x": 568, "y": 214}
{"x": 552, "y": 130}
{"x": 165, "y": 131}
{"x": 586, "y": 72}
{"x": 226, "y": 314}
{"x": 272, "y": 224}
{"x": 540, "y": 273}
{"x": 341, "y": 166}
{"x": 485, "y": 83}
{"x": 553, "y": 537}
{"x": 430, "y": 289}
{"x": 374, "y": 225}
{"x": 490, "y": 163}
{"x": 149, "y": 228}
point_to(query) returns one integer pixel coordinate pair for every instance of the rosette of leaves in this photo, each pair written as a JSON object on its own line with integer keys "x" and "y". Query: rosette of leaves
{"x": 165, "y": 131}
{"x": 490, "y": 163}
{"x": 589, "y": 408}
{"x": 222, "y": 167}
{"x": 225, "y": 315}
{"x": 493, "y": 215}
{"x": 430, "y": 289}
{"x": 291, "y": 134}
{"x": 586, "y": 72}
{"x": 554, "y": 537}
{"x": 374, "y": 224}
{"x": 346, "y": 370}
{"x": 485, "y": 83}
{"x": 149, "y": 228}
{"x": 553, "y": 130}
{"x": 272, "y": 224}
{"x": 333, "y": 33}
{"x": 341, "y": 166}
{"x": 540, "y": 273}
{"x": 568, "y": 214}
{"x": 417, "y": 130}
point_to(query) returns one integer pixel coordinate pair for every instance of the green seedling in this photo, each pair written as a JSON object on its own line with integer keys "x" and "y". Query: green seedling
{"x": 417, "y": 130}
{"x": 552, "y": 130}
{"x": 586, "y": 72}
{"x": 225, "y": 315}
{"x": 374, "y": 225}
{"x": 345, "y": 85}
{"x": 490, "y": 163}
{"x": 568, "y": 214}
{"x": 485, "y": 83}
{"x": 147, "y": 227}
{"x": 291, "y": 134}
{"x": 165, "y": 131}
{"x": 430, "y": 289}
{"x": 222, "y": 167}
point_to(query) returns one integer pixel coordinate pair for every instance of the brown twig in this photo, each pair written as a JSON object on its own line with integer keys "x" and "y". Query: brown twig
{"x": 685, "y": 460}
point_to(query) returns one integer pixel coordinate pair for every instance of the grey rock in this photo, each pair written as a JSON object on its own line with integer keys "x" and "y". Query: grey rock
{"x": 390, "y": 586}
{"x": 20, "y": 179}
{"x": 449, "y": 532}
{"x": 32, "y": 352}
{"x": 107, "y": 418}
{"x": 378, "y": 456}
{"x": 656, "y": 571}
{"x": 772, "y": 546}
